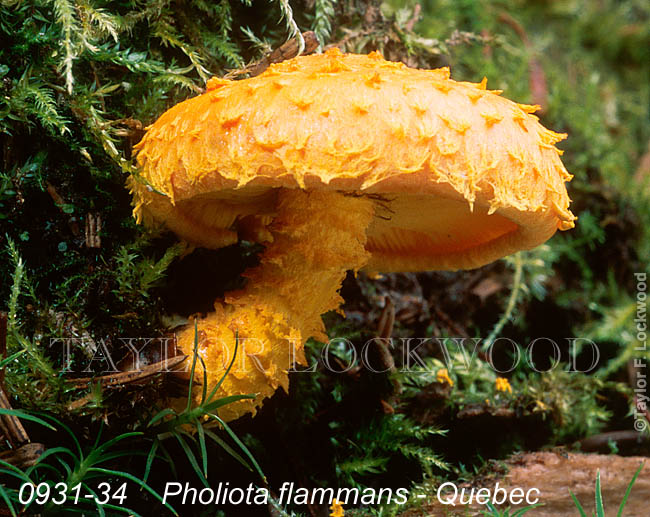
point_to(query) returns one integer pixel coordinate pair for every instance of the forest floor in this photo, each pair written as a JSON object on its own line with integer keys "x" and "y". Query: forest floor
{"x": 554, "y": 474}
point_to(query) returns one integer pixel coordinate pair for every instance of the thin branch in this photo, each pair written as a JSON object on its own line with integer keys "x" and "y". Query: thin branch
{"x": 129, "y": 377}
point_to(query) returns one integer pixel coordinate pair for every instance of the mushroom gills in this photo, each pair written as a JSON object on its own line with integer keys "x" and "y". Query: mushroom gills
{"x": 413, "y": 226}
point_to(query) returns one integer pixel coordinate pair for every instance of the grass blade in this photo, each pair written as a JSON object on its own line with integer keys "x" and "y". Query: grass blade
{"x": 241, "y": 446}
{"x": 629, "y": 489}
{"x": 60, "y": 424}
{"x": 12, "y": 470}
{"x": 493, "y": 511}
{"x": 129, "y": 511}
{"x": 47, "y": 453}
{"x": 26, "y": 416}
{"x": 192, "y": 458}
{"x": 161, "y": 414}
{"x": 211, "y": 406}
{"x": 101, "y": 448}
{"x": 7, "y": 360}
{"x": 522, "y": 511}
{"x": 578, "y": 505}
{"x": 94, "y": 499}
{"x": 139, "y": 482}
{"x": 204, "y": 386}
{"x": 5, "y": 497}
{"x": 232, "y": 361}
{"x": 150, "y": 457}
{"x": 168, "y": 459}
{"x": 196, "y": 355}
{"x": 214, "y": 437}
{"x": 600, "y": 510}
{"x": 204, "y": 452}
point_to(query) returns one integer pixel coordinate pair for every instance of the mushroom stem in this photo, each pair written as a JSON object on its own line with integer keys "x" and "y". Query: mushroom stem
{"x": 317, "y": 237}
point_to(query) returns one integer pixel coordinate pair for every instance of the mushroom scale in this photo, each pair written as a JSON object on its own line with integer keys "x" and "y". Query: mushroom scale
{"x": 316, "y": 238}
{"x": 336, "y": 162}
{"x": 458, "y": 156}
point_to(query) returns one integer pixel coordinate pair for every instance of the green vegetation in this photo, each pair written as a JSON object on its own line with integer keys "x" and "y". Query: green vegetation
{"x": 62, "y": 475}
{"x": 79, "y": 82}
{"x": 600, "y": 509}
{"x": 62, "y": 478}
{"x": 493, "y": 512}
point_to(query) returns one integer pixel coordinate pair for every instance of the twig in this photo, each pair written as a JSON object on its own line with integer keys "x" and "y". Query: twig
{"x": 24, "y": 456}
{"x": 384, "y": 331}
{"x": 601, "y": 441}
{"x": 451, "y": 324}
{"x": 350, "y": 35}
{"x": 287, "y": 51}
{"x": 474, "y": 411}
{"x": 414, "y": 18}
{"x": 515, "y": 26}
{"x": 387, "y": 319}
{"x": 643, "y": 169}
{"x": 536, "y": 76}
{"x": 60, "y": 202}
{"x": 10, "y": 425}
{"x": 93, "y": 227}
{"x": 129, "y": 377}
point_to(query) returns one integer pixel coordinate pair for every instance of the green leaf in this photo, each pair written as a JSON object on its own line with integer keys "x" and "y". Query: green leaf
{"x": 600, "y": 510}
{"x": 523, "y": 511}
{"x": 204, "y": 453}
{"x": 26, "y": 416}
{"x": 192, "y": 458}
{"x": 629, "y": 489}
{"x": 150, "y": 457}
{"x": 241, "y": 445}
{"x": 5, "y": 497}
{"x": 578, "y": 505}
{"x": 139, "y": 482}
{"x": 214, "y": 437}
{"x": 223, "y": 377}
{"x": 9, "y": 359}
{"x": 160, "y": 415}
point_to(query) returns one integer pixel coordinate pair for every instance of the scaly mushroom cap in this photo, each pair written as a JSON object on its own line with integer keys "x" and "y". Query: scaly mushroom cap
{"x": 461, "y": 176}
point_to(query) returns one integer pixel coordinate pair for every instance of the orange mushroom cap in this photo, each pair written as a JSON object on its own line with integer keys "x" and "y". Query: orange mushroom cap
{"x": 461, "y": 176}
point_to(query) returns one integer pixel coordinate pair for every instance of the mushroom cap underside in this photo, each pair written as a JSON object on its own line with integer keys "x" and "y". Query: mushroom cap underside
{"x": 460, "y": 176}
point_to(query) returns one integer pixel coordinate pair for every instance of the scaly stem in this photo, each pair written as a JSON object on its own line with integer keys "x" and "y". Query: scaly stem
{"x": 317, "y": 237}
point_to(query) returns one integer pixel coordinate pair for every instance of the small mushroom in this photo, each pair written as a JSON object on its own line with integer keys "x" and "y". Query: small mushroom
{"x": 341, "y": 162}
